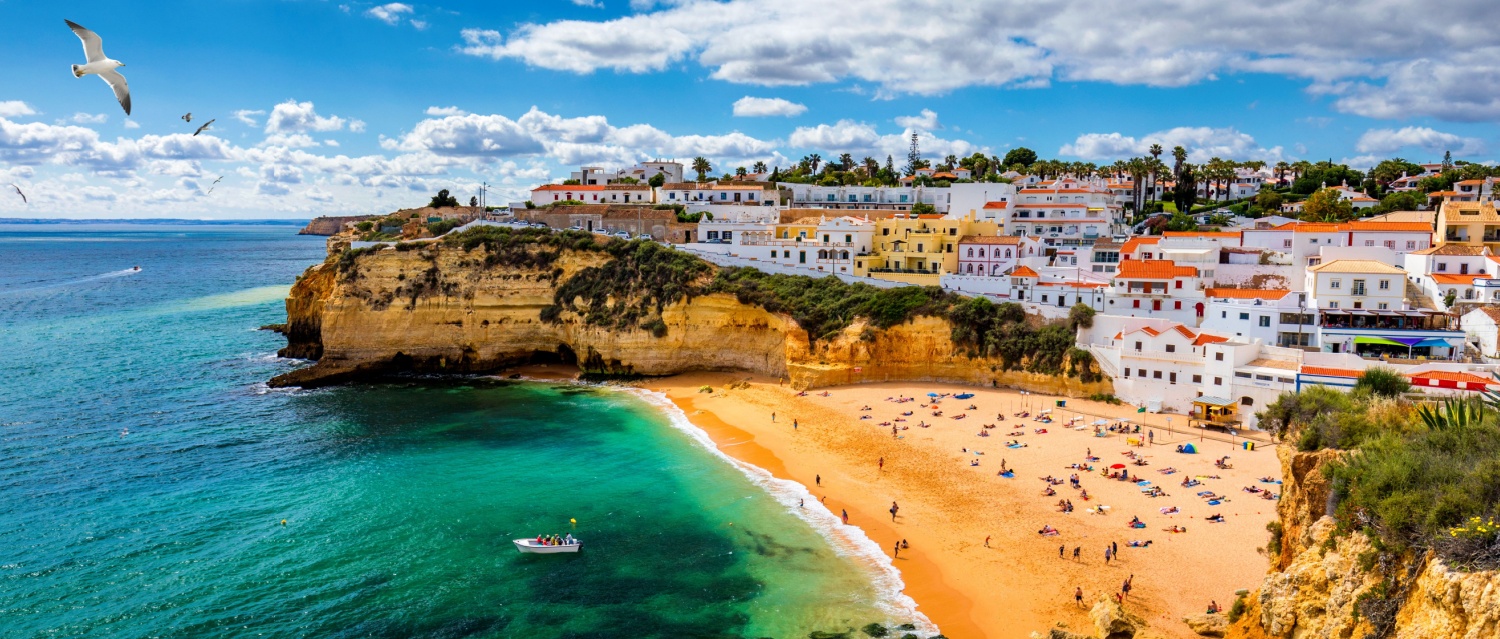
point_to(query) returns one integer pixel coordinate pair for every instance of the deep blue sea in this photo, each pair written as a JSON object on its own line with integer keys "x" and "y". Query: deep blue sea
{"x": 146, "y": 472}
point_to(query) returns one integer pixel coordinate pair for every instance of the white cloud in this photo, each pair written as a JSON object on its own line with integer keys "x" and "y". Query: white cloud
{"x": 132, "y": 124}
{"x": 444, "y": 111}
{"x": 87, "y": 118}
{"x": 1201, "y": 143}
{"x": 1380, "y": 61}
{"x": 290, "y": 140}
{"x": 596, "y": 4}
{"x": 330, "y": 142}
{"x": 749, "y": 107}
{"x": 927, "y": 121}
{"x": 15, "y": 109}
{"x": 248, "y": 116}
{"x": 299, "y": 117}
{"x": 389, "y": 13}
{"x": 1385, "y": 141}
{"x": 356, "y": 126}
{"x": 420, "y": 25}
{"x": 861, "y": 139}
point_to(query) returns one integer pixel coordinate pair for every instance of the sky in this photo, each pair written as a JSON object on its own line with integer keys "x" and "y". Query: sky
{"x": 342, "y": 108}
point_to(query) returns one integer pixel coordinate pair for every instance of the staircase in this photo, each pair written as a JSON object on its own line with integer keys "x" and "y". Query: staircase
{"x": 1417, "y": 297}
{"x": 1102, "y": 357}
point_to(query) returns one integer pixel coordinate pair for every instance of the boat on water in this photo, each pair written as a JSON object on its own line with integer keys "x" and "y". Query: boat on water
{"x": 535, "y": 547}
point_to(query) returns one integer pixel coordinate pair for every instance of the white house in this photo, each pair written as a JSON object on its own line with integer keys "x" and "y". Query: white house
{"x": 1268, "y": 316}
{"x": 868, "y": 198}
{"x": 992, "y": 255}
{"x": 1456, "y": 268}
{"x": 1356, "y": 285}
{"x": 1482, "y": 325}
{"x": 1065, "y": 212}
{"x": 1157, "y": 288}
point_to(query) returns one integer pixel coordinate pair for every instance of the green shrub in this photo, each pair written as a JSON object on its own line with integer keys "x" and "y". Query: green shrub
{"x": 1237, "y": 609}
{"x": 1273, "y": 545}
{"x": 1383, "y": 381}
{"x": 875, "y": 630}
{"x": 442, "y": 226}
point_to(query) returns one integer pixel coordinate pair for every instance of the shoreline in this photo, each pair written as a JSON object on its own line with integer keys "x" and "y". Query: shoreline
{"x": 947, "y": 509}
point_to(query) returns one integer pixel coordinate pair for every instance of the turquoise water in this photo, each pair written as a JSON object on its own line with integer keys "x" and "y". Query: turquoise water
{"x": 145, "y": 471}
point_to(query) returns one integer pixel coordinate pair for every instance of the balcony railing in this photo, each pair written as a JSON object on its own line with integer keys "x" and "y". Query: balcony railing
{"x": 915, "y": 271}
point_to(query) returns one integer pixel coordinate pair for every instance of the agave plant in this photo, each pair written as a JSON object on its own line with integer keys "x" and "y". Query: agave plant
{"x": 1454, "y": 413}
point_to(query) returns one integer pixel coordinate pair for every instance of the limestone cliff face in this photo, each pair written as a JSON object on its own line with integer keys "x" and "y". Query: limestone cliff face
{"x": 438, "y": 309}
{"x": 1315, "y": 585}
{"x": 330, "y": 225}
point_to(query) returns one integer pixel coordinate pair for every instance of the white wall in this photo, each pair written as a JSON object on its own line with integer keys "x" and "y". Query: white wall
{"x": 1267, "y": 276}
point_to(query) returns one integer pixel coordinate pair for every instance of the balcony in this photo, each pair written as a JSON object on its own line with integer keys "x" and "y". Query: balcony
{"x": 1420, "y": 320}
{"x": 913, "y": 271}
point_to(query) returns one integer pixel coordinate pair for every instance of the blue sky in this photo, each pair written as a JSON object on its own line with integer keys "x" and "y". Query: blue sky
{"x": 346, "y": 107}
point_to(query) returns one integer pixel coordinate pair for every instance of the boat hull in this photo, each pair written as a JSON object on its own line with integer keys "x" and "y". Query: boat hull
{"x": 530, "y": 546}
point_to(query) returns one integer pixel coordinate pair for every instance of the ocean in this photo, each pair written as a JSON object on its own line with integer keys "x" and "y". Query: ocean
{"x": 153, "y": 486}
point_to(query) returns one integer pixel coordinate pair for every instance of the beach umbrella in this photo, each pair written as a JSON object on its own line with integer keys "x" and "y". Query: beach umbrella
{"x": 1118, "y": 466}
{"x": 932, "y": 394}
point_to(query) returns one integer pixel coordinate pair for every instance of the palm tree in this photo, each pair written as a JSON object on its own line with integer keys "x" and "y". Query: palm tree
{"x": 740, "y": 172}
{"x": 950, "y": 162}
{"x": 1155, "y": 152}
{"x": 814, "y": 160}
{"x": 1281, "y": 171}
{"x": 1179, "y": 156}
{"x": 846, "y": 161}
{"x": 760, "y": 167}
{"x": 701, "y": 165}
{"x": 872, "y": 166}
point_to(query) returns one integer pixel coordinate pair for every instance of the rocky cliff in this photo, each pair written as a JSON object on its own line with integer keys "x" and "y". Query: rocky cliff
{"x": 1340, "y": 586}
{"x": 330, "y": 225}
{"x": 437, "y": 308}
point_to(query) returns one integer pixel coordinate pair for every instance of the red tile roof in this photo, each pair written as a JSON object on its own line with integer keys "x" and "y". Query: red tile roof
{"x": 1023, "y": 271}
{"x": 1453, "y": 376}
{"x": 989, "y": 239}
{"x": 1205, "y": 338}
{"x": 1331, "y": 372}
{"x": 996, "y": 205}
{"x": 570, "y": 187}
{"x": 1454, "y": 278}
{"x": 1246, "y": 293}
{"x": 1201, "y": 234}
{"x": 1135, "y": 242}
{"x": 1153, "y": 270}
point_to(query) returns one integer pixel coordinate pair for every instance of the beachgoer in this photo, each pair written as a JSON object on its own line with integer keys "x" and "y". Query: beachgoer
{"x": 1151, "y": 436}
{"x": 846, "y": 515}
{"x": 801, "y": 503}
{"x": 818, "y": 479}
{"x": 894, "y": 508}
{"x": 1076, "y": 550}
{"x": 1115, "y": 546}
{"x": 794, "y": 423}
{"x": 896, "y": 552}
{"x": 904, "y": 545}
{"x": 1125, "y": 588}
{"x": 1060, "y": 549}
{"x": 1213, "y": 607}
{"x": 986, "y": 541}
{"x": 881, "y": 463}
{"x": 773, "y": 416}
{"x": 1107, "y": 555}
{"x": 1078, "y": 596}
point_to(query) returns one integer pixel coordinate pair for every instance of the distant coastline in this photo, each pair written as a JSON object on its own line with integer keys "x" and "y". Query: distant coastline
{"x": 155, "y": 221}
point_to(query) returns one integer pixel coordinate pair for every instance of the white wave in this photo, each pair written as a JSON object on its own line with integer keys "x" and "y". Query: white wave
{"x": 845, "y": 540}
{"x": 81, "y": 280}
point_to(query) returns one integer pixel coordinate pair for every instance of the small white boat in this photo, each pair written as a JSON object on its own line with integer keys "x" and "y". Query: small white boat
{"x": 531, "y": 546}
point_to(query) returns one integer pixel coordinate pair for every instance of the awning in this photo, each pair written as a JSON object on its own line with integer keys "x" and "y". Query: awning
{"x": 1207, "y": 400}
{"x": 1362, "y": 339}
{"x": 1434, "y": 341}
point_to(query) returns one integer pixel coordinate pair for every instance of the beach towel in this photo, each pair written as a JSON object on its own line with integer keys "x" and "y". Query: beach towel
{"x": 1014, "y": 446}
{"x": 1143, "y": 483}
{"x": 1277, "y": 482}
{"x": 1213, "y": 502}
{"x": 1138, "y": 525}
{"x": 1009, "y": 474}
{"x": 1206, "y": 492}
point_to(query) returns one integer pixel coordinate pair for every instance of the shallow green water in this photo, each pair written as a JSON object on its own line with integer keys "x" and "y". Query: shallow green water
{"x": 145, "y": 471}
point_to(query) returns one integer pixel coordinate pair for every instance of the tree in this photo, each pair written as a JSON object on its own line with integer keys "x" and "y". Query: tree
{"x": 1019, "y": 155}
{"x": 760, "y": 167}
{"x": 846, "y": 161}
{"x": 1268, "y": 200}
{"x": 922, "y": 208}
{"x": 1181, "y": 222}
{"x": 890, "y": 166}
{"x": 657, "y": 180}
{"x": 914, "y": 156}
{"x": 1185, "y": 193}
{"x": 1081, "y": 316}
{"x": 443, "y": 201}
{"x": 1326, "y": 206}
{"x": 702, "y": 166}
{"x": 474, "y": 201}
{"x": 1393, "y": 169}
{"x": 1382, "y": 382}
{"x": 741, "y": 172}
{"x": 1447, "y": 161}
{"x": 1398, "y": 201}
{"x": 950, "y": 162}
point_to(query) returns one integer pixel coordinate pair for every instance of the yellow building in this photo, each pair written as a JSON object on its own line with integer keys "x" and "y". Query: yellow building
{"x": 1468, "y": 223}
{"x": 918, "y": 249}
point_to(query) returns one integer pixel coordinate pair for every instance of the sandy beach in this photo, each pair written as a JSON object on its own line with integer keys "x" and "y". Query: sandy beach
{"x": 948, "y": 507}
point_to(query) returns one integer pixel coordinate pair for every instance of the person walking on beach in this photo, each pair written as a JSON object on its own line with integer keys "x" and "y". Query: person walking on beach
{"x": 1115, "y": 546}
{"x": 1076, "y": 550}
{"x": 794, "y": 423}
{"x": 1078, "y": 596}
{"x": 1151, "y": 437}
{"x": 1060, "y": 550}
{"x": 986, "y": 541}
{"x": 1106, "y": 555}
{"x": 845, "y": 514}
{"x": 773, "y": 417}
{"x": 801, "y": 503}
{"x": 1125, "y": 588}
{"x": 881, "y": 463}
{"x": 896, "y": 552}
{"x": 818, "y": 479}
{"x": 894, "y": 508}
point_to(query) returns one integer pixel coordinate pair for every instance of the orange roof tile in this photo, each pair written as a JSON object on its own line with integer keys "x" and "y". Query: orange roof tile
{"x": 1247, "y": 293}
{"x": 1331, "y": 372}
{"x": 1205, "y": 338}
{"x": 1329, "y": 227}
{"x": 989, "y": 239}
{"x": 1455, "y": 278}
{"x": 1153, "y": 270}
{"x": 1201, "y": 234}
{"x": 1023, "y": 271}
{"x": 1135, "y": 242}
{"x": 570, "y": 187}
{"x": 1453, "y": 376}
{"x": 996, "y": 205}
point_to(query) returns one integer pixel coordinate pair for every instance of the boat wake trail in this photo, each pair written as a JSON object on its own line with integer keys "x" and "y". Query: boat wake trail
{"x": 81, "y": 280}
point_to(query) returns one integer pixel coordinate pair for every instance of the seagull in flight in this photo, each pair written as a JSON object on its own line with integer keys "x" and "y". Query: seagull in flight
{"x": 215, "y": 183}
{"x": 203, "y": 128}
{"x": 188, "y": 117}
{"x": 93, "y": 51}
{"x": 18, "y": 192}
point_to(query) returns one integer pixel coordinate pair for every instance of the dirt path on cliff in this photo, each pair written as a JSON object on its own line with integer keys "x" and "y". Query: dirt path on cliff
{"x": 948, "y": 507}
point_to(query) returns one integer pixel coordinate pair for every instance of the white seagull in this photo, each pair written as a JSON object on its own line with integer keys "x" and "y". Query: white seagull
{"x": 188, "y": 118}
{"x": 18, "y": 192}
{"x": 93, "y": 50}
{"x": 203, "y": 128}
{"x": 211, "y": 186}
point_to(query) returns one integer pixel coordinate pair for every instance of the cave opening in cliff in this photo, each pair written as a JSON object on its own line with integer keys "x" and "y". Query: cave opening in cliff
{"x": 563, "y": 355}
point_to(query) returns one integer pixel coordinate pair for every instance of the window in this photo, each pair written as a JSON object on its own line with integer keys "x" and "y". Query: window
{"x": 1140, "y": 372}
{"x": 1044, "y": 298}
{"x": 1390, "y": 244}
{"x": 1177, "y": 305}
{"x": 1218, "y": 381}
{"x": 1135, "y": 304}
{"x": 1265, "y": 320}
{"x": 1369, "y": 242}
{"x": 1244, "y": 316}
{"x": 1197, "y": 379}
{"x": 1171, "y": 348}
{"x": 1219, "y": 356}
{"x": 1333, "y": 305}
{"x": 1178, "y": 283}
{"x": 1359, "y": 287}
{"x": 1242, "y": 375}
{"x": 1312, "y": 240}
{"x": 1442, "y": 266}
{"x": 1411, "y": 245}
{"x": 1286, "y": 244}
{"x": 848, "y": 239}
{"x": 1384, "y": 306}
{"x": 1385, "y": 285}
{"x": 1335, "y": 283}
{"x": 801, "y": 257}
{"x": 1156, "y": 374}
{"x": 1284, "y": 380}
{"x": 1172, "y": 378}
{"x": 1263, "y": 378}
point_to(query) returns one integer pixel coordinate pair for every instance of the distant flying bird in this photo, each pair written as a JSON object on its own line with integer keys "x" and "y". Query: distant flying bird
{"x": 23, "y": 195}
{"x": 188, "y": 117}
{"x": 93, "y": 51}
{"x": 215, "y": 182}
{"x": 203, "y": 128}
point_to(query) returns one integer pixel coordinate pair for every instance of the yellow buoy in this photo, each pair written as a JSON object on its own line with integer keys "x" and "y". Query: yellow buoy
{"x": 283, "y": 522}
{"x": 573, "y": 521}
